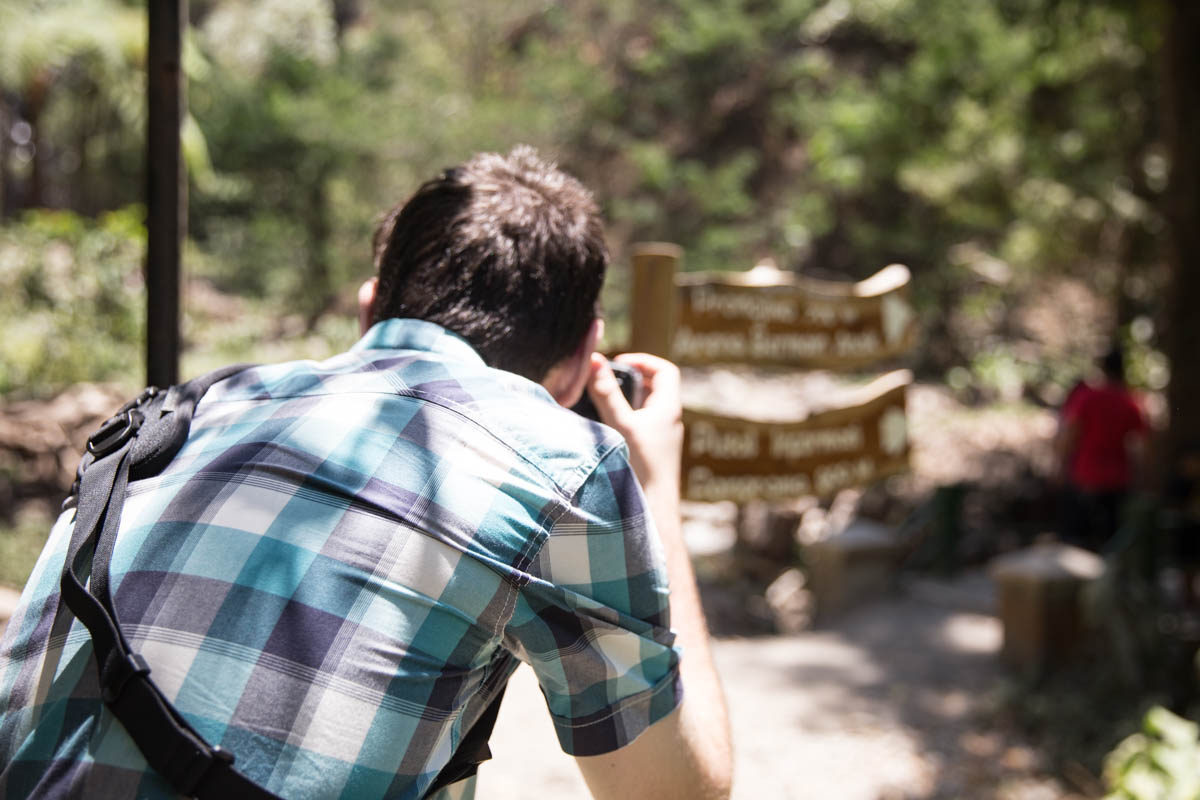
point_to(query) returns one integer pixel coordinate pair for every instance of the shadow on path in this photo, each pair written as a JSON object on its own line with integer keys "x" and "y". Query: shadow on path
{"x": 886, "y": 702}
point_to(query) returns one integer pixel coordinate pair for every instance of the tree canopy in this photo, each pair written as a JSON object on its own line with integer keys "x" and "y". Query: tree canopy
{"x": 989, "y": 146}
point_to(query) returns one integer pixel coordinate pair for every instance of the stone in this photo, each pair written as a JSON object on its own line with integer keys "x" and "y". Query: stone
{"x": 791, "y": 602}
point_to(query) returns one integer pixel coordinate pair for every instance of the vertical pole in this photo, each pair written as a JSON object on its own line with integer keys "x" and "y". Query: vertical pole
{"x": 1182, "y": 128}
{"x": 653, "y": 302}
{"x": 166, "y": 188}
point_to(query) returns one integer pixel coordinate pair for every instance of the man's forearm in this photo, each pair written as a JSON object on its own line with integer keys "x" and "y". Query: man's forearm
{"x": 704, "y": 708}
{"x": 688, "y": 754}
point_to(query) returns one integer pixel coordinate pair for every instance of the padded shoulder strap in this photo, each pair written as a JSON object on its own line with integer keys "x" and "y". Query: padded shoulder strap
{"x": 170, "y": 745}
{"x": 168, "y": 422}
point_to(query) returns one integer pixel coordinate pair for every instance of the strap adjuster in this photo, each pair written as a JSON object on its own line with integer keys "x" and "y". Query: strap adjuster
{"x": 116, "y": 672}
{"x": 114, "y": 433}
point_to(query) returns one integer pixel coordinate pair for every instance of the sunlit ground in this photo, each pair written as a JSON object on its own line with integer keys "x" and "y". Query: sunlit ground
{"x": 889, "y": 701}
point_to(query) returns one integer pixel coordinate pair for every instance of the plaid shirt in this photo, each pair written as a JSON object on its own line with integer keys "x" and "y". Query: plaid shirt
{"x": 340, "y": 568}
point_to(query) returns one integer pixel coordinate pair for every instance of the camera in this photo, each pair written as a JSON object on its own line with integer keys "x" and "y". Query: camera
{"x": 630, "y": 381}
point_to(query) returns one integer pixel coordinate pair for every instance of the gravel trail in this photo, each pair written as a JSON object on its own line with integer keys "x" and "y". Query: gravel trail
{"x": 882, "y": 703}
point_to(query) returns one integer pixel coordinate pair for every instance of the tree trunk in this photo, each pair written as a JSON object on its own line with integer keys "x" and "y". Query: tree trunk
{"x": 317, "y": 293}
{"x": 35, "y": 102}
{"x": 5, "y": 125}
{"x": 1182, "y": 126}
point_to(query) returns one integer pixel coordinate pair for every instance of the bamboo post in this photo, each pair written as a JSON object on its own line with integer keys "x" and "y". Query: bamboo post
{"x": 166, "y": 189}
{"x": 653, "y": 304}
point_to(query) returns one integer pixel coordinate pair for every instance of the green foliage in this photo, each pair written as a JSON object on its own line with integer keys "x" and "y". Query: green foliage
{"x": 75, "y": 69}
{"x": 21, "y": 543}
{"x": 71, "y": 299}
{"x": 1162, "y": 762}
{"x": 1012, "y": 138}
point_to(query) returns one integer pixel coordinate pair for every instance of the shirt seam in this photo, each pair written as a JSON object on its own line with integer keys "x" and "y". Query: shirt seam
{"x": 586, "y": 469}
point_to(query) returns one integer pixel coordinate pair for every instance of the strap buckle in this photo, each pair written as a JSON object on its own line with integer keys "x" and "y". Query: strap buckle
{"x": 114, "y": 433}
{"x": 121, "y": 426}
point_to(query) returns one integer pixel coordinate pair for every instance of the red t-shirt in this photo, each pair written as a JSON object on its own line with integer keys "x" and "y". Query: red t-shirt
{"x": 1106, "y": 417}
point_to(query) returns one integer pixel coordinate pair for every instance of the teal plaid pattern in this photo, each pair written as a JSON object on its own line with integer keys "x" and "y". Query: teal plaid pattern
{"x": 338, "y": 571}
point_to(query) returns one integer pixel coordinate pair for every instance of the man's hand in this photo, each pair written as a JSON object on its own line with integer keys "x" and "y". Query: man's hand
{"x": 688, "y": 754}
{"x": 653, "y": 432}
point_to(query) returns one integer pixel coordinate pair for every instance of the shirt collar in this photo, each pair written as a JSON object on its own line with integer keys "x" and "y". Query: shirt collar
{"x": 417, "y": 334}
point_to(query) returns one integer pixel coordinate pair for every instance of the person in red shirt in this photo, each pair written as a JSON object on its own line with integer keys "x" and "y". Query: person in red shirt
{"x": 1103, "y": 429}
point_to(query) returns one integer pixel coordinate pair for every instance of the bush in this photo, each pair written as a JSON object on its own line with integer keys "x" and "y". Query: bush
{"x": 1160, "y": 763}
{"x": 71, "y": 298}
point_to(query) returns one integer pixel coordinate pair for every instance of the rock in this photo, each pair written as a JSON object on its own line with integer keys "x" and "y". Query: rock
{"x": 791, "y": 602}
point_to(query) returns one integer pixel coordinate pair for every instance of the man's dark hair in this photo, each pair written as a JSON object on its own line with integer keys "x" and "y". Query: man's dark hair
{"x": 506, "y": 251}
{"x": 1113, "y": 364}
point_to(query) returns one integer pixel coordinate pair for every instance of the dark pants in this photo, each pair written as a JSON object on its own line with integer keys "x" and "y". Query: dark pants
{"x": 1089, "y": 519}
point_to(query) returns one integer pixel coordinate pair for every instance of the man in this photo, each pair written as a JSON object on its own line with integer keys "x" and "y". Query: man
{"x": 346, "y": 560}
{"x": 1100, "y": 444}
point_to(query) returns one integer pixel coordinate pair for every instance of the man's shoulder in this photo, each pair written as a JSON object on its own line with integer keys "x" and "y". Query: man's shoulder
{"x": 423, "y": 389}
{"x": 523, "y": 415}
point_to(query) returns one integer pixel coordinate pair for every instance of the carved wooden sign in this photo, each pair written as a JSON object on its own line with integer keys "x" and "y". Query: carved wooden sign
{"x": 728, "y": 458}
{"x": 768, "y": 317}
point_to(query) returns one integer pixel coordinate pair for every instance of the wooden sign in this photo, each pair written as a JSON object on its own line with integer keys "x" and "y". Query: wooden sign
{"x": 768, "y": 317}
{"x": 728, "y": 458}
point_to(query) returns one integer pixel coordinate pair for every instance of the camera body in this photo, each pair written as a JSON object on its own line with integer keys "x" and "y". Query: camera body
{"x": 630, "y": 381}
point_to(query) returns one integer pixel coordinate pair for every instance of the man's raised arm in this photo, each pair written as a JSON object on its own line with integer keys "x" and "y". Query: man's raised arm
{"x": 688, "y": 754}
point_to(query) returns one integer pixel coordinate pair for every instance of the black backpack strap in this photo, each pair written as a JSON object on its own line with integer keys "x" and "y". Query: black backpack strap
{"x": 137, "y": 442}
{"x": 170, "y": 745}
{"x": 472, "y": 751}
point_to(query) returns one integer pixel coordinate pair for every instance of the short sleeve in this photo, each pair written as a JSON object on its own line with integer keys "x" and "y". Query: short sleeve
{"x": 594, "y": 620}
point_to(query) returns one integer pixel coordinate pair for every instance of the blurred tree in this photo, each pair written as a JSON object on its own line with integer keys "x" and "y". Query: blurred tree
{"x": 72, "y": 74}
{"x": 987, "y": 145}
{"x": 71, "y": 301}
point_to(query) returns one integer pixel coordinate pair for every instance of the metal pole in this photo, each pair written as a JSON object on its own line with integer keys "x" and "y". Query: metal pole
{"x": 166, "y": 188}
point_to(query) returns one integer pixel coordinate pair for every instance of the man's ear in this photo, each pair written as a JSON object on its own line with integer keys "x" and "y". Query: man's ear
{"x": 567, "y": 379}
{"x": 366, "y": 304}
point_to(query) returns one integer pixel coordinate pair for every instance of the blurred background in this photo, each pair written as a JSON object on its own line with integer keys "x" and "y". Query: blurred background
{"x": 1019, "y": 156}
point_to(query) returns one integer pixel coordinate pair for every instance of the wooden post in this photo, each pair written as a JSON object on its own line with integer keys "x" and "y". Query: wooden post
{"x": 653, "y": 308}
{"x": 166, "y": 188}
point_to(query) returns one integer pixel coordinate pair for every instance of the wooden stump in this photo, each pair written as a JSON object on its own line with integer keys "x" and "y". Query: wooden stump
{"x": 768, "y": 530}
{"x": 852, "y": 566}
{"x": 1039, "y": 592}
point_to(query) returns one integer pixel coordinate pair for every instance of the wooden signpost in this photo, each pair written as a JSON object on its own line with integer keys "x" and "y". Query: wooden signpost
{"x": 730, "y": 458}
{"x": 769, "y": 318}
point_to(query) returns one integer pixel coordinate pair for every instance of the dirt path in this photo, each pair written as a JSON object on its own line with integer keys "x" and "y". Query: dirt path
{"x": 884, "y": 703}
